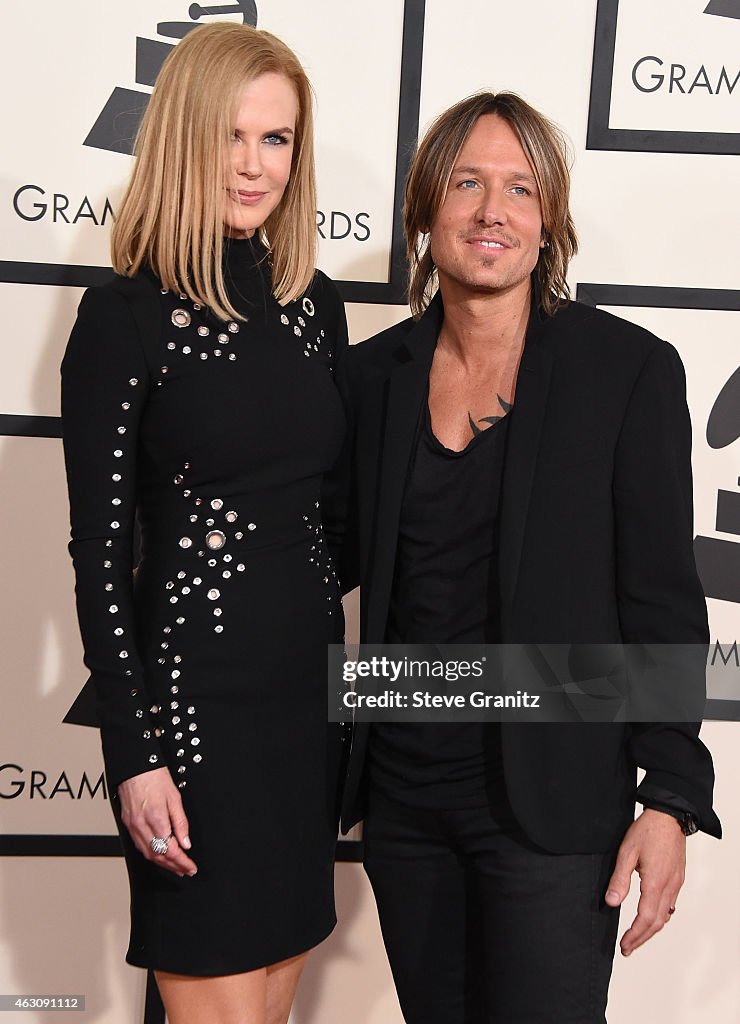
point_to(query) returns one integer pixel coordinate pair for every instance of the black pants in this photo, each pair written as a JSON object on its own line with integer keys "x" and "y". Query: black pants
{"x": 481, "y": 926}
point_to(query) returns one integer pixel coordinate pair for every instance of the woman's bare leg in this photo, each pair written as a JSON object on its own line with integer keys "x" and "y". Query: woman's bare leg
{"x": 264, "y": 996}
{"x": 282, "y": 982}
{"x": 230, "y": 999}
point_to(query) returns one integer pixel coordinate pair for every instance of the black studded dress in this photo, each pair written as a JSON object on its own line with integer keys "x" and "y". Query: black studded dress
{"x": 210, "y": 658}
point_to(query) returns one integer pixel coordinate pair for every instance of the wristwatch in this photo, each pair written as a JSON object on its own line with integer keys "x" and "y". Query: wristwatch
{"x": 687, "y": 821}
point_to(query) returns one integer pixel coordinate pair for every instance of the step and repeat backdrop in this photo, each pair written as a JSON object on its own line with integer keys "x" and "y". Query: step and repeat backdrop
{"x": 649, "y": 94}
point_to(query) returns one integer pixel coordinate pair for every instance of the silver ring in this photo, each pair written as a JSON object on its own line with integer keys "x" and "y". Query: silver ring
{"x": 159, "y": 846}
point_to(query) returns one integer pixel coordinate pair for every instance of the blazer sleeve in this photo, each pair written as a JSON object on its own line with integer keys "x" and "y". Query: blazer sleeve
{"x": 105, "y": 380}
{"x": 659, "y": 594}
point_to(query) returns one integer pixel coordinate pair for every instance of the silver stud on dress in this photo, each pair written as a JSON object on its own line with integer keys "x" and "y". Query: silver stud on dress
{"x": 215, "y": 540}
{"x": 181, "y": 318}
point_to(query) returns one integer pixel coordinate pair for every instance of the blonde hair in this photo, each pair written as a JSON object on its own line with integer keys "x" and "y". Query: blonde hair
{"x": 172, "y": 215}
{"x": 429, "y": 175}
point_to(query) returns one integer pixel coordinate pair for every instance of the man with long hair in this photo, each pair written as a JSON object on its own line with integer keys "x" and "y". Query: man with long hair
{"x": 522, "y": 476}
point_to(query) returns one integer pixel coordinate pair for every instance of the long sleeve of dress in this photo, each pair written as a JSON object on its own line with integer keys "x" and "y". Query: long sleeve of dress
{"x": 105, "y": 382}
{"x": 336, "y": 487}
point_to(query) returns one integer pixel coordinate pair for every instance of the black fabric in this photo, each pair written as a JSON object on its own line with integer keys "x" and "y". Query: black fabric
{"x": 213, "y": 433}
{"x": 663, "y": 800}
{"x": 483, "y": 927}
{"x": 596, "y": 546}
{"x": 442, "y": 593}
{"x": 447, "y": 541}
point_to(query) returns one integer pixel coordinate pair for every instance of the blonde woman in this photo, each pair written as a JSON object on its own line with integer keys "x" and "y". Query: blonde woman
{"x": 199, "y": 395}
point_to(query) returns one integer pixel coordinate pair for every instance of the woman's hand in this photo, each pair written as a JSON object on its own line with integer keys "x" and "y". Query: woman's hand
{"x": 151, "y": 807}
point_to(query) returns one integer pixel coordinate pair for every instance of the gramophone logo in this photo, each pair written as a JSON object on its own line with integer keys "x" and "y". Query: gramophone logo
{"x": 669, "y": 83}
{"x": 718, "y": 560}
{"x": 723, "y": 8}
{"x": 116, "y": 127}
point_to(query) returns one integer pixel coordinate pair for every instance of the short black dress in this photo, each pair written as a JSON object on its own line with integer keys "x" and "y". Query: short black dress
{"x": 211, "y": 658}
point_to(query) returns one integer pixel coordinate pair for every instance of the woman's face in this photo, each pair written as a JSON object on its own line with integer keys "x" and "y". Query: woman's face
{"x": 260, "y": 153}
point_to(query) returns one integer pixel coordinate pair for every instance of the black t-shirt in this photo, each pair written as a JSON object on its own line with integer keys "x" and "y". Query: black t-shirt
{"x": 444, "y": 592}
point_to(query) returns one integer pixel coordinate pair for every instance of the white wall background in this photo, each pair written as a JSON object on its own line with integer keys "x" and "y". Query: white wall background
{"x": 659, "y": 219}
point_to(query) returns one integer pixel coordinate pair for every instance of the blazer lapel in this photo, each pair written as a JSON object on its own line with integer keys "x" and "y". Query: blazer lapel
{"x": 407, "y": 386}
{"x": 525, "y": 431}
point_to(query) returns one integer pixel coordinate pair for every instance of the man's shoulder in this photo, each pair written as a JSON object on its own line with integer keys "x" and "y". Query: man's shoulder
{"x": 583, "y": 327}
{"x": 380, "y": 349}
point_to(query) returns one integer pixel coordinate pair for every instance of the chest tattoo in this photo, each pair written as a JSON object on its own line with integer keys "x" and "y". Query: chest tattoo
{"x": 505, "y": 406}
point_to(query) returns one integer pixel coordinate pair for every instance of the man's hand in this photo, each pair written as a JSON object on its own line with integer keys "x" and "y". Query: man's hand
{"x": 655, "y": 847}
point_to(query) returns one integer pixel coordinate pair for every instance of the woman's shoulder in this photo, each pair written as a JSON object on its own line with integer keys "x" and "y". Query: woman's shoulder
{"x": 124, "y": 311}
{"x": 323, "y": 295}
{"x": 322, "y": 284}
{"x": 120, "y": 288}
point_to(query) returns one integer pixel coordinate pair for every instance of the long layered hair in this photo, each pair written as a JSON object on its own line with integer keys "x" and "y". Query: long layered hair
{"x": 429, "y": 176}
{"x": 172, "y": 215}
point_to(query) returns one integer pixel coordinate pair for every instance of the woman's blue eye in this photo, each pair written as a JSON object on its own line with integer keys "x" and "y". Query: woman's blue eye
{"x": 273, "y": 140}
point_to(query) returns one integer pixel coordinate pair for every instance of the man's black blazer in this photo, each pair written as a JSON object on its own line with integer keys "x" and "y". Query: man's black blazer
{"x": 595, "y": 547}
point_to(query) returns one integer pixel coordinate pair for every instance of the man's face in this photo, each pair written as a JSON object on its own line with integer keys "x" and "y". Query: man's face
{"x": 487, "y": 235}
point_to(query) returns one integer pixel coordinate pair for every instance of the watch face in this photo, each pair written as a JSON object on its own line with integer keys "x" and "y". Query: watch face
{"x": 689, "y": 824}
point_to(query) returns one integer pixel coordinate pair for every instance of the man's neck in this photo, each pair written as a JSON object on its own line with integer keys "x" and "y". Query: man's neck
{"x": 478, "y": 329}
